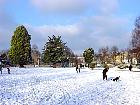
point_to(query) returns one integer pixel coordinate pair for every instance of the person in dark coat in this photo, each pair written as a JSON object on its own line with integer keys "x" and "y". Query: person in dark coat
{"x": 8, "y": 69}
{"x": 1, "y": 69}
{"x": 130, "y": 67}
{"x": 78, "y": 68}
{"x": 104, "y": 73}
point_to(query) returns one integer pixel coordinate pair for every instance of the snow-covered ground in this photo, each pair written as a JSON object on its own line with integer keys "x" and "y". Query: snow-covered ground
{"x": 63, "y": 86}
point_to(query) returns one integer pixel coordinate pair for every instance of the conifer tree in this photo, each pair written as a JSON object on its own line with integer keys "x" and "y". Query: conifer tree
{"x": 88, "y": 55}
{"x": 54, "y": 50}
{"x": 20, "y": 50}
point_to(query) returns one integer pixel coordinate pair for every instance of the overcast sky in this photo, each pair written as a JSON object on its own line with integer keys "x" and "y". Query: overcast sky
{"x": 81, "y": 23}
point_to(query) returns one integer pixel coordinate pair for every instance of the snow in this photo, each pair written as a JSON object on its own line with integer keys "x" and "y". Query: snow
{"x": 63, "y": 86}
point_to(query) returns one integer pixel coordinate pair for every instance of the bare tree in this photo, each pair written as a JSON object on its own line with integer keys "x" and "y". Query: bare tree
{"x": 114, "y": 51}
{"x": 104, "y": 55}
{"x": 35, "y": 54}
{"x": 135, "y": 42}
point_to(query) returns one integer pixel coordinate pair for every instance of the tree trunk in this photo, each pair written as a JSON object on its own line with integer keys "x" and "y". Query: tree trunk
{"x": 54, "y": 65}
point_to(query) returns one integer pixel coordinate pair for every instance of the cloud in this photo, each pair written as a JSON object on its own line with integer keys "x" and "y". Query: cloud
{"x": 39, "y": 34}
{"x": 76, "y": 6}
{"x": 95, "y": 32}
{"x": 61, "y": 6}
{"x": 106, "y": 6}
{"x": 108, "y": 31}
{"x": 7, "y": 25}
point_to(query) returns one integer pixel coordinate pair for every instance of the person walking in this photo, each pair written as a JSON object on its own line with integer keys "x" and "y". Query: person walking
{"x": 77, "y": 68}
{"x": 104, "y": 73}
{"x": 8, "y": 69}
{"x": 1, "y": 67}
{"x": 130, "y": 67}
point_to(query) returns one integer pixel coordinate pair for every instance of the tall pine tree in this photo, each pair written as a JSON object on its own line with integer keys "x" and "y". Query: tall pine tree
{"x": 54, "y": 50}
{"x": 20, "y": 50}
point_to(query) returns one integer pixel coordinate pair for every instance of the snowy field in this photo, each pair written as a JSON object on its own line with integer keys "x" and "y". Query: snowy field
{"x": 63, "y": 86}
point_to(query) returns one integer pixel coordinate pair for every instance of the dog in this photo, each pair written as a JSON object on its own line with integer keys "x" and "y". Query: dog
{"x": 116, "y": 79}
